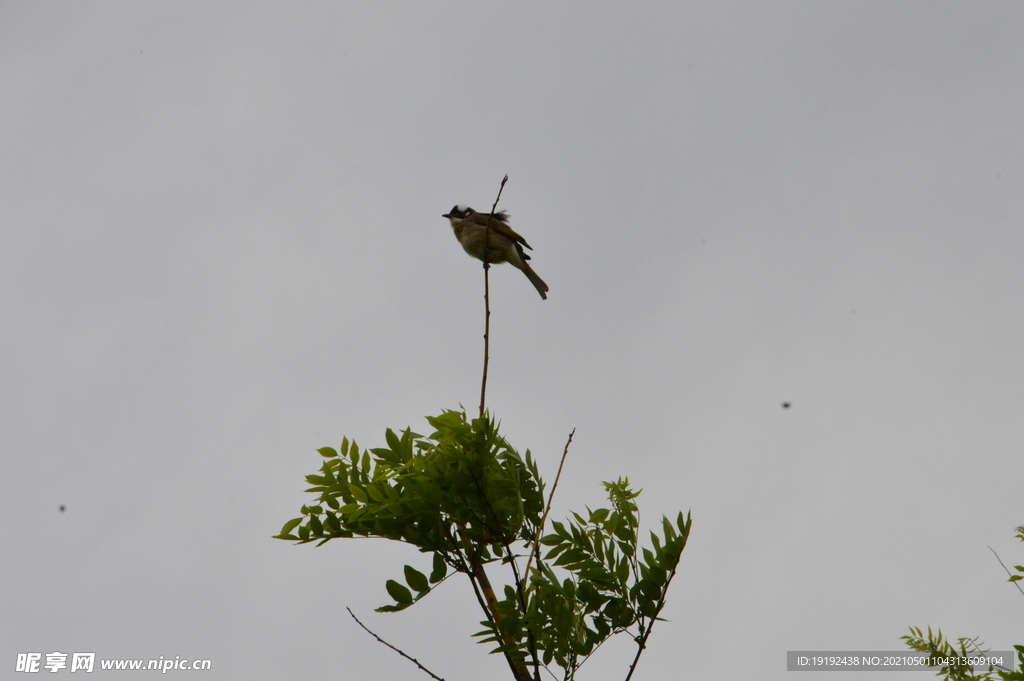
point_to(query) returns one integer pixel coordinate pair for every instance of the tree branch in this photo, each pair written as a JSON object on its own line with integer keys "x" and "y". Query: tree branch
{"x": 535, "y": 551}
{"x": 489, "y": 603}
{"x": 1016, "y": 583}
{"x": 487, "y": 296}
{"x": 642, "y": 643}
{"x": 413, "y": 659}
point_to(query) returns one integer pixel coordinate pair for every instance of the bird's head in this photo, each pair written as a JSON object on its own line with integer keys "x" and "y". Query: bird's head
{"x": 459, "y": 212}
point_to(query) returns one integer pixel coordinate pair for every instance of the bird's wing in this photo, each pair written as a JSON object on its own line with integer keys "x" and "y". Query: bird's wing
{"x": 500, "y": 225}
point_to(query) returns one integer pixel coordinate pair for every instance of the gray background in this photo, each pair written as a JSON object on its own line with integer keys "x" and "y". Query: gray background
{"x": 221, "y": 248}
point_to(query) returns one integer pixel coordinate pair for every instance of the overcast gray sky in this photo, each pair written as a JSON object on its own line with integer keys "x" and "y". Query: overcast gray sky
{"x": 221, "y": 248}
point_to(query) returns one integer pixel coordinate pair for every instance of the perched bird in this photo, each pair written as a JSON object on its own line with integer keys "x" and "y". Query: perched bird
{"x": 503, "y": 244}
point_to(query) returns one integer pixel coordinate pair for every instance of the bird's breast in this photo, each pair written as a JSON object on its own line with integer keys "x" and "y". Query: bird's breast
{"x": 474, "y": 238}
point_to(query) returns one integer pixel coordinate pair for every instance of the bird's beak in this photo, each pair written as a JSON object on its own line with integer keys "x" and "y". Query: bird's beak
{"x": 447, "y": 215}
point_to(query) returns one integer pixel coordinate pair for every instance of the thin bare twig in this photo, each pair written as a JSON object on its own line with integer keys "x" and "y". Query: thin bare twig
{"x": 413, "y": 659}
{"x": 540, "y": 528}
{"x": 1016, "y": 583}
{"x": 487, "y": 296}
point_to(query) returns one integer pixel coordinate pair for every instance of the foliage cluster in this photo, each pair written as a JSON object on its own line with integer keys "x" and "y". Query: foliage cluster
{"x": 466, "y": 496}
{"x": 955, "y": 666}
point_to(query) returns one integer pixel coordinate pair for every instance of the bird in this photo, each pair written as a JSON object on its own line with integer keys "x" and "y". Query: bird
{"x": 502, "y": 244}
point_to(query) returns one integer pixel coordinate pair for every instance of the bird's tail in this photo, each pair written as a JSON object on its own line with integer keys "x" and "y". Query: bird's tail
{"x": 537, "y": 282}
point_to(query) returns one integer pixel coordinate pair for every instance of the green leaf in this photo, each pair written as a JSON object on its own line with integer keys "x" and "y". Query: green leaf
{"x": 290, "y": 525}
{"x": 416, "y": 579}
{"x": 625, "y": 533}
{"x": 358, "y": 493}
{"x": 670, "y": 558}
{"x": 440, "y": 569}
{"x": 327, "y": 452}
{"x": 392, "y": 608}
{"x": 386, "y": 454}
{"x": 392, "y": 440}
{"x": 623, "y": 572}
{"x": 398, "y": 592}
{"x": 374, "y": 493}
{"x": 555, "y": 551}
{"x": 650, "y": 588}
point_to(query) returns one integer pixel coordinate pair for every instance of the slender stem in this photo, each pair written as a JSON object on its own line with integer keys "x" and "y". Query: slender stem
{"x": 535, "y": 551}
{"x": 488, "y": 601}
{"x": 413, "y": 659}
{"x": 1016, "y": 583}
{"x": 487, "y": 297}
{"x": 487, "y": 329}
{"x": 642, "y": 643}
